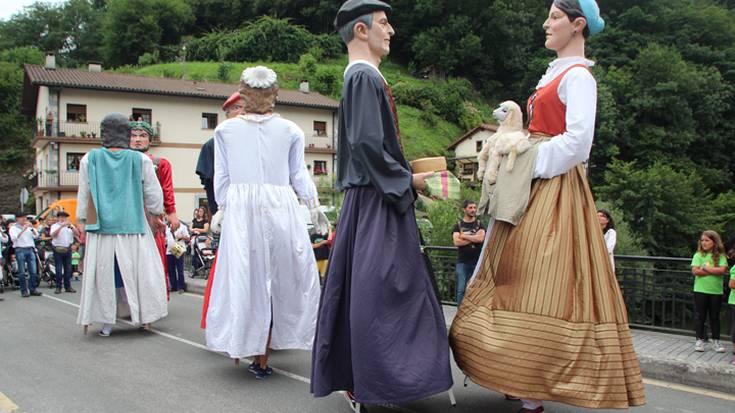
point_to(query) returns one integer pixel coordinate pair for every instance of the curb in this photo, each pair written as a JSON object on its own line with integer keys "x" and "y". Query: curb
{"x": 707, "y": 376}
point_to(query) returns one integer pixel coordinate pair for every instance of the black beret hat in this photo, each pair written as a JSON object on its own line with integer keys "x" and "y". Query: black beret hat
{"x": 352, "y": 9}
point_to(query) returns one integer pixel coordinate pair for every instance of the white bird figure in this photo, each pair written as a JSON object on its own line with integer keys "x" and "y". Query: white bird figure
{"x": 510, "y": 139}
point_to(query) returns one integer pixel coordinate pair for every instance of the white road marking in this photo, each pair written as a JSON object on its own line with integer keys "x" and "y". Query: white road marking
{"x": 652, "y": 382}
{"x": 7, "y": 405}
{"x": 203, "y": 347}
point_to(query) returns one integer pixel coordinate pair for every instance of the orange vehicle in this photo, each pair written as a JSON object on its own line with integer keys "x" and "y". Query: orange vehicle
{"x": 67, "y": 205}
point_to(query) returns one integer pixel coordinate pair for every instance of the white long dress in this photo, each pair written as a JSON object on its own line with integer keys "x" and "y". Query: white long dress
{"x": 265, "y": 268}
{"x": 137, "y": 256}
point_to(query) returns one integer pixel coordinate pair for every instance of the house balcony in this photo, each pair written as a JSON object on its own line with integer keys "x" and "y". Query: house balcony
{"x": 319, "y": 144}
{"x": 76, "y": 132}
{"x": 57, "y": 181}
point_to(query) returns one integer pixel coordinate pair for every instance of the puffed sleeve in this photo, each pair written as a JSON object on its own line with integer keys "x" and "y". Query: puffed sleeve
{"x": 298, "y": 174}
{"x": 364, "y": 117}
{"x": 83, "y": 192}
{"x": 578, "y": 90}
{"x": 221, "y": 171}
{"x": 152, "y": 192}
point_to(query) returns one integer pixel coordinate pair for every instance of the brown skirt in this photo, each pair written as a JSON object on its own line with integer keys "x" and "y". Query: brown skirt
{"x": 544, "y": 318}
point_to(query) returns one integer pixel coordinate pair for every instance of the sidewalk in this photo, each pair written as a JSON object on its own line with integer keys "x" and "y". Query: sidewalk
{"x": 666, "y": 357}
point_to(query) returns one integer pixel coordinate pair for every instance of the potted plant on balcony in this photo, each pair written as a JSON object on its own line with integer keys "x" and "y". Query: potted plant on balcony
{"x": 83, "y": 134}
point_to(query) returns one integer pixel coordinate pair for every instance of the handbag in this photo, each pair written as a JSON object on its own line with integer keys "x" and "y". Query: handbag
{"x": 60, "y": 250}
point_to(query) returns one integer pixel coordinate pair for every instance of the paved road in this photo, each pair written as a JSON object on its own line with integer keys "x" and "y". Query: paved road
{"x": 48, "y": 365}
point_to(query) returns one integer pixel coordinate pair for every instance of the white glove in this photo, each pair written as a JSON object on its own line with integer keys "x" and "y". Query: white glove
{"x": 216, "y": 225}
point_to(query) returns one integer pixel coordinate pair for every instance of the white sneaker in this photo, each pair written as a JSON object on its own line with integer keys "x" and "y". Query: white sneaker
{"x": 719, "y": 347}
{"x": 699, "y": 345}
{"x": 106, "y": 330}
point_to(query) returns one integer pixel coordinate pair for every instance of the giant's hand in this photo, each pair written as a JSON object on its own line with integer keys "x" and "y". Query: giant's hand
{"x": 156, "y": 223}
{"x": 173, "y": 220}
{"x": 216, "y": 225}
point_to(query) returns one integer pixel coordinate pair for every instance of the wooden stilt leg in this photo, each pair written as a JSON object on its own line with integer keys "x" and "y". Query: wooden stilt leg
{"x": 86, "y": 328}
{"x": 147, "y": 327}
{"x": 237, "y": 362}
{"x": 452, "y": 400}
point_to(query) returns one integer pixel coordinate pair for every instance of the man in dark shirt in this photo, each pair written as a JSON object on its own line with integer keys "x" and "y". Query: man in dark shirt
{"x": 468, "y": 236}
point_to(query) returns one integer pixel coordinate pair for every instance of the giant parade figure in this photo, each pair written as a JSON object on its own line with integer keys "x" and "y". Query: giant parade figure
{"x": 381, "y": 335}
{"x": 123, "y": 273}
{"x": 544, "y": 318}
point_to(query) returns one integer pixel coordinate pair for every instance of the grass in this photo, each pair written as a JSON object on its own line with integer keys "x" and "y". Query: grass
{"x": 423, "y": 134}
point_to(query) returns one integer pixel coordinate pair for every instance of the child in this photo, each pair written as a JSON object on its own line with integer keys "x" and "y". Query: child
{"x": 75, "y": 257}
{"x": 709, "y": 264}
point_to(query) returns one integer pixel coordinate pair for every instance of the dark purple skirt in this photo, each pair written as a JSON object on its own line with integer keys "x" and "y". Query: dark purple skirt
{"x": 381, "y": 332}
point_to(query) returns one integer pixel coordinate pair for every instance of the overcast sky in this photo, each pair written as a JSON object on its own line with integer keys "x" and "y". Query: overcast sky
{"x": 10, "y": 7}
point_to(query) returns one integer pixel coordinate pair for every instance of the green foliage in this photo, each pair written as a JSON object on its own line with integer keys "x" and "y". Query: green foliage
{"x": 665, "y": 208}
{"x": 132, "y": 28}
{"x": 326, "y": 80}
{"x": 308, "y": 65}
{"x": 267, "y": 38}
{"x": 223, "y": 71}
{"x": 627, "y": 242}
{"x": 147, "y": 59}
{"x": 442, "y": 215}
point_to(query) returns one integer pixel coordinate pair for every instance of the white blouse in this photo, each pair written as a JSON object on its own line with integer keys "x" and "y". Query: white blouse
{"x": 578, "y": 91}
{"x": 257, "y": 150}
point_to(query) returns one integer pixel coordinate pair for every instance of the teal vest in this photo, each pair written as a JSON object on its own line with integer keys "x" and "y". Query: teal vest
{"x": 116, "y": 186}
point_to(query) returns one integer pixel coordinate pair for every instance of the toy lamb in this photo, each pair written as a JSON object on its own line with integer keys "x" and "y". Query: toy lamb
{"x": 510, "y": 139}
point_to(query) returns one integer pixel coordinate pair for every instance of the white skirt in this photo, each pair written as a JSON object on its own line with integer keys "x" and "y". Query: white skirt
{"x": 265, "y": 273}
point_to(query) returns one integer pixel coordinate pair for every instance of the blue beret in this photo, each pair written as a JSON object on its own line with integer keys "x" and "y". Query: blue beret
{"x": 592, "y": 14}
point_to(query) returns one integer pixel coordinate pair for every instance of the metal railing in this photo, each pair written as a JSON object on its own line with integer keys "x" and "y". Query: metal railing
{"x": 81, "y": 130}
{"x": 319, "y": 142}
{"x": 657, "y": 290}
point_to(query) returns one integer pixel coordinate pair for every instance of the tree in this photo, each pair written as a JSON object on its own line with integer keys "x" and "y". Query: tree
{"x": 665, "y": 209}
{"x": 134, "y": 27}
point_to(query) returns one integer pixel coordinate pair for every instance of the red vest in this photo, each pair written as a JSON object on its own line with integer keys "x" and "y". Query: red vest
{"x": 546, "y": 112}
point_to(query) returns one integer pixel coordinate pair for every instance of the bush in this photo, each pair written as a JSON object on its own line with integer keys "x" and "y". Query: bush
{"x": 308, "y": 64}
{"x": 223, "y": 71}
{"x": 326, "y": 81}
{"x": 147, "y": 59}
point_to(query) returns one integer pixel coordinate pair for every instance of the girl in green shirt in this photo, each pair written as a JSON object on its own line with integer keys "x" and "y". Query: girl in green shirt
{"x": 709, "y": 264}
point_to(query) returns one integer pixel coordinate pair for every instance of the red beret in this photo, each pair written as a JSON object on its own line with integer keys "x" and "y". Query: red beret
{"x": 231, "y": 100}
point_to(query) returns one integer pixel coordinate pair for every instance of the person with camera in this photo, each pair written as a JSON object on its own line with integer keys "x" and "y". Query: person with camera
{"x": 62, "y": 237}
{"x": 23, "y": 236}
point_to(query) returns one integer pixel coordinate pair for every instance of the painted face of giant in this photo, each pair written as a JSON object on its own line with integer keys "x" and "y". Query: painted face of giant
{"x": 559, "y": 30}
{"x": 140, "y": 140}
{"x": 379, "y": 34}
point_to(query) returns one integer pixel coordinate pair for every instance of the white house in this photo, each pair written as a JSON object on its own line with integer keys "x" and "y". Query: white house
{"x": 467, "y": 147}
{"x": 69, "y": 104}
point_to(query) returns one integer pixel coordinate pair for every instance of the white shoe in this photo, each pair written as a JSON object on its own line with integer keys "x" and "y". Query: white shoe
{"x": 699, "y": 345}
{"x": 719, "y": 347}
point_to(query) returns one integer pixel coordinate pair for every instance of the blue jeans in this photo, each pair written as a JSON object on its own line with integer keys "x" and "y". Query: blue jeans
{"x": 63, "y": 262}
{"x": 26, "y": 256}
{"x": 464, "y": 273}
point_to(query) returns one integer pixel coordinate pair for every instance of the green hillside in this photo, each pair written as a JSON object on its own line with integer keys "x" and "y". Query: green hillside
{"x": 426, "y": 128}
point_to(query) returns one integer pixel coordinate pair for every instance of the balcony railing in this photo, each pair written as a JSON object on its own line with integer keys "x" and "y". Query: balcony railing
{"x": 81, "y": 130}
{"x": 319, "y": 142}
{"x": 657, "y": 290}
{"x": 47, "y": 179}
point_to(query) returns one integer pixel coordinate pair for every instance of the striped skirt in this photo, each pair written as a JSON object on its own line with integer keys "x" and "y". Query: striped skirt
{"x": 544, "y": 317}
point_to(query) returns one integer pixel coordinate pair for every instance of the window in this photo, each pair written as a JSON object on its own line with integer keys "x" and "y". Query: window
{"x": 72, "y": 161}
{"x": 209, "y": 120}
{"x": 468, "y": 169}
{"x": 76, "y": 113}
{"x": 320, "y": 168}
{"x": 478, "y": 146}
{"x": 320, "y": 128}
{"x": 143, "y": 114}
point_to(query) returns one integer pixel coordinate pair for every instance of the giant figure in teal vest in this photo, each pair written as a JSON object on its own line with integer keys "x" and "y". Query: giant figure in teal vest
{"x": 122, "y": 270}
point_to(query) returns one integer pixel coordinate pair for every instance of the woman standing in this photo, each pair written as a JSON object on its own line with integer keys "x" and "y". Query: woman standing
{"x": 544, "y": 318}
{"x": 265, "y": 292}
{"x": 608, "y": 231}
{"x": 709, "y": 265}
